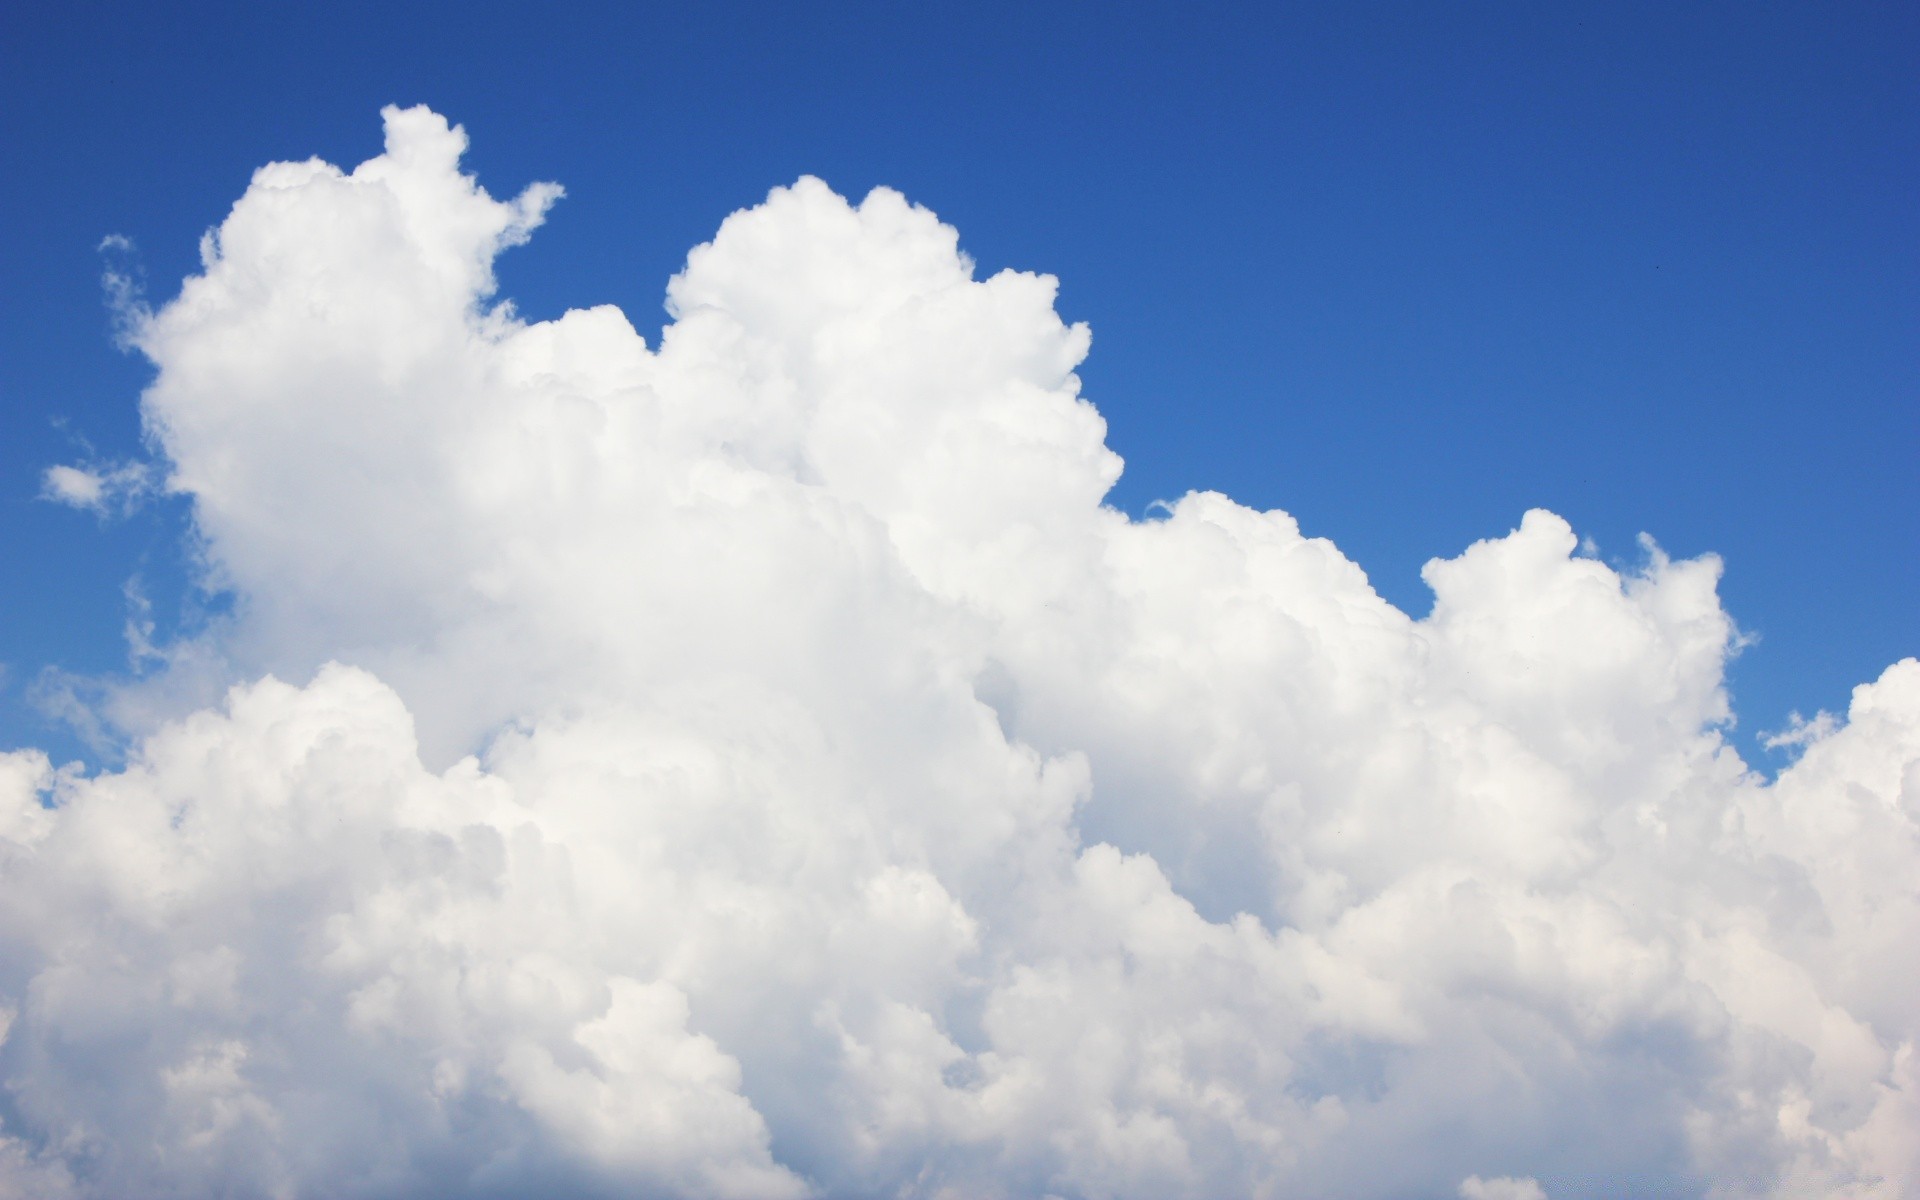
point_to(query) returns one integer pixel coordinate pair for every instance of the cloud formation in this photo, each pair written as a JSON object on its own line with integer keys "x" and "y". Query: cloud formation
{"x": 759, "y": 766}
{"x": 105, "y": 490}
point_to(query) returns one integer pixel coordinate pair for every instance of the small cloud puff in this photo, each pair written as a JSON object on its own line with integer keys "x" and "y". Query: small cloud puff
{"x": 102, "y": 489}
{"x": 1801, "y": 732}
{"x": 75, "y": 486}
{"x": 1475, "y": 1188}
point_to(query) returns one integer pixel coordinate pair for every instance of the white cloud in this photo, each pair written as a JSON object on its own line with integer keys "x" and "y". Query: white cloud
{"x": 761, "y": 767}
{"x": 1503, "y": 1188}
{"x": 1801, "y": 732}
{"x": 102, "y": 489}
{"x": 76, "y": 486}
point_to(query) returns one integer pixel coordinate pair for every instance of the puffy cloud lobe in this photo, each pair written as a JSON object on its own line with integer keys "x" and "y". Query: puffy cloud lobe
{"x": 763, "y": 768}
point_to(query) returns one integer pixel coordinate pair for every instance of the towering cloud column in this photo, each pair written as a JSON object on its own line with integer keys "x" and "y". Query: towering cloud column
{"x": 759, "y": 766}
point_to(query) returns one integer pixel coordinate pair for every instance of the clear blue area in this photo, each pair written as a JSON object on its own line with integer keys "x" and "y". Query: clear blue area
{"x": 1402, "y": 270}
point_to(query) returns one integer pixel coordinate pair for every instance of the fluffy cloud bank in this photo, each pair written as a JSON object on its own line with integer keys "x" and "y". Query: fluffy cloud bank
{"x": 758, "y": 766}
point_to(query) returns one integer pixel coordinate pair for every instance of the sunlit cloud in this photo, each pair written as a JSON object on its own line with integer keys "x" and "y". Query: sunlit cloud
{"x": 758, "y": 765}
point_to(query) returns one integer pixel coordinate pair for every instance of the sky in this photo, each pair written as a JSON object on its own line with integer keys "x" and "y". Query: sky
{"x": 1404, "y": 271}
{"x": 959, "y": 601}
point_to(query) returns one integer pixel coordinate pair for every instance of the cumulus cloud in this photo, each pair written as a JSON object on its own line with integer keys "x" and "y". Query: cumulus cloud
{"x": 758, "y": 765}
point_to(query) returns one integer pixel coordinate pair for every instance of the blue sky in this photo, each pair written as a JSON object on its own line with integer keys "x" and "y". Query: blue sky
{"x": 754, "y": 765}
{"x": 1404, "y": 271}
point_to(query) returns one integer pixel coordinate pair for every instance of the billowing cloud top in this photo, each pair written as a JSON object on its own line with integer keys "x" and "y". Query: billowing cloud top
{"x": 760, "y": 767}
